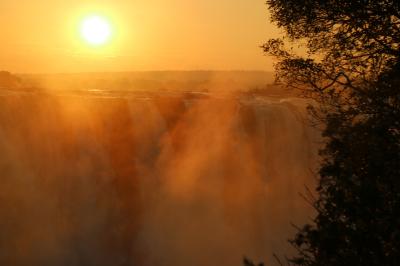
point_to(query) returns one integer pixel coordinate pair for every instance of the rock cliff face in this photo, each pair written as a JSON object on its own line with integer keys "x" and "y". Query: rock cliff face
{"x": 7, "y": 80}
{"x": 180, "y": 179}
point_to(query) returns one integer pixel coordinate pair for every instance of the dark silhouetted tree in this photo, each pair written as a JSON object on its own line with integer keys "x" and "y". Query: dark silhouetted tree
{"x": 350, "y": 66}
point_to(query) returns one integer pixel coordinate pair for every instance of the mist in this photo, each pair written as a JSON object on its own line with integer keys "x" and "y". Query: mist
{"x": 194, "y": 169}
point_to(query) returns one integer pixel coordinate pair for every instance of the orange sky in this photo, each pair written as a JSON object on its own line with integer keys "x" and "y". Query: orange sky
{"x": 41, "y": 35}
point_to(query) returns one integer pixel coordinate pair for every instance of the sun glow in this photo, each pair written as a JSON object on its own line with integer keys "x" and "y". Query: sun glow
{"x": 96, "y": 30}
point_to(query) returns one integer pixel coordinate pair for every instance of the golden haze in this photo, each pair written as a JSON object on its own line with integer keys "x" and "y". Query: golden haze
{"x": 43, "y": 35}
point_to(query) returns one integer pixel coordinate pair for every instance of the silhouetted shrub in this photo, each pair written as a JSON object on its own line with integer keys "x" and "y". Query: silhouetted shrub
{"x": 353, "y": 71}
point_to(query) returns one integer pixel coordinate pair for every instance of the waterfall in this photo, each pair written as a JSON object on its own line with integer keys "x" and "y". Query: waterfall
{"x": 151, "y": 179}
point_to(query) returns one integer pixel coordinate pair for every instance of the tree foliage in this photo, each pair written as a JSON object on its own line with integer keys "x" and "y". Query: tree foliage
{"x": 351, "y": 68}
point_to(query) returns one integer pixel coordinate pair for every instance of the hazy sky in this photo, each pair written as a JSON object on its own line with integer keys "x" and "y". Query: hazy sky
{"x": 43, "y": 35}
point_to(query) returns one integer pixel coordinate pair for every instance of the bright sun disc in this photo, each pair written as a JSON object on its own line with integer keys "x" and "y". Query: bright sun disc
{"x": 95, "y": 30}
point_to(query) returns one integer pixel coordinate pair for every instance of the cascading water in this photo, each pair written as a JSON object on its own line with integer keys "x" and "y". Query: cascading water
{"x": 158, "y": 179}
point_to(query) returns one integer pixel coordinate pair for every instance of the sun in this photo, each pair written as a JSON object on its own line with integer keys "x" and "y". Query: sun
{"x": 96, "y": 30}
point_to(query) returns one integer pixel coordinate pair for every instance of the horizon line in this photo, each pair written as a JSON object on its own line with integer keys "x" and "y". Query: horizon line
{"x": 137, "y": 71}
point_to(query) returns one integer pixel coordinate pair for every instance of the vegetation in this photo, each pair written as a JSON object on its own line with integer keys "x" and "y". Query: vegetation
{"x": 349, "y": 64}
